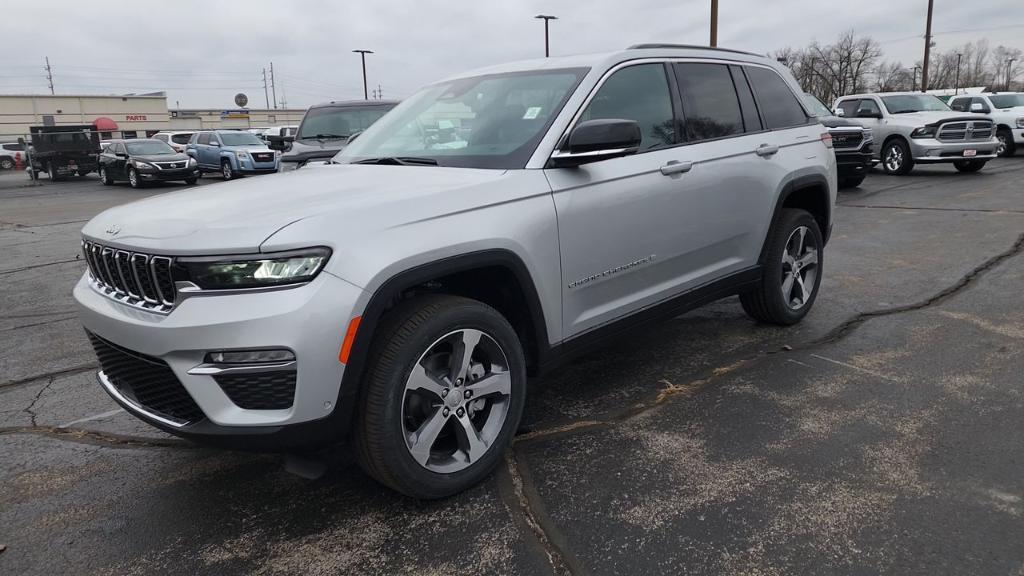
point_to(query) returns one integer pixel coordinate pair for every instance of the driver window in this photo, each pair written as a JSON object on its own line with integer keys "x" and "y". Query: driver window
{"x": 984, "y": 106}
{"x": 637, "y": 93}
{"x": 868, "y": 105}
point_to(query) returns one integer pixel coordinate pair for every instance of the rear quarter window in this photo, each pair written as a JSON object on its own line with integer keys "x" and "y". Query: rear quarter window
{"x": 779, "y": 106}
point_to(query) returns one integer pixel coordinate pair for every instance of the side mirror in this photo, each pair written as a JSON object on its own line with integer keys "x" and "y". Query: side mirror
{"x": 841, "y": 113}
{"x": 868, "y": 114}
{"x": 596, "y": 140}
{"x": 978, "y": 107}
{"x": 279, "y": 143}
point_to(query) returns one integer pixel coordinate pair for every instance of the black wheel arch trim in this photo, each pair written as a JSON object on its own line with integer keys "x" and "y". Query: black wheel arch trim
{"x": 795, "y": 185}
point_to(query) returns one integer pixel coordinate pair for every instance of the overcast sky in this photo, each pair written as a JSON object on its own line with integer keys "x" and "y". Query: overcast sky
{"x": 203, "y": 52}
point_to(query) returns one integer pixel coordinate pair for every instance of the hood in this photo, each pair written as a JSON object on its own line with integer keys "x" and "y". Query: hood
{"x": 925, "y": 118}
{"x": 162, "y": 158}
{"x": 238, "y": 216}
{"x": 837, "y": 122}
{"x": 310, "y": 149}
{"x": 247, "y": 148}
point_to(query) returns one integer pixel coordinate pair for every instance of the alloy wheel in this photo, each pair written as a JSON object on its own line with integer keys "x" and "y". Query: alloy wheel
{"x": 225, "y": 169}
{"x": 1001, "y": 146}
{"x": 893, "y": 158}
{"x": 456, "y": 401}
{"x": 6, "y": 164}
{"x": 133, "y": 178}
{"x": 799, "y": 268}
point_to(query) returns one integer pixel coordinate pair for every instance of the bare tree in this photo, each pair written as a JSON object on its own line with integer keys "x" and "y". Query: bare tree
{"x": 892, "y": 77}
{"x": 1005, "y": 66}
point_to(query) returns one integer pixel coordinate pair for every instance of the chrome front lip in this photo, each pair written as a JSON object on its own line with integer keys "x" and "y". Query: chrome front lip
{"x": 112, "y": 390}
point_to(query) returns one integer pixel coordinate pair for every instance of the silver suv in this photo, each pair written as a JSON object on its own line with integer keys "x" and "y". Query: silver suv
{"x": 915, "y": 128}
{"x": 488, "y": 227}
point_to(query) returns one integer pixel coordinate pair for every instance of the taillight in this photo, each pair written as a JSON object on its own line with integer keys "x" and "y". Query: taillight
{"x": 826, "y": 139}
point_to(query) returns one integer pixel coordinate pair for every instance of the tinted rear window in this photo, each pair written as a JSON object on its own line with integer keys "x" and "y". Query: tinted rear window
{"x": 181, "y": 138}
{"x": 779, "y": 106}
{"x": 711, "y": 108}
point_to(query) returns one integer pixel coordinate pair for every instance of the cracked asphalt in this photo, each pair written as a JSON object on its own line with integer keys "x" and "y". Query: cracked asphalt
{"x": 883, "y": 435}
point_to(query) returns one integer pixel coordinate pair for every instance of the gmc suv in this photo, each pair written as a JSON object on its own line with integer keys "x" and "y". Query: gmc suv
{"x": 852, "y": 142}
{"x": 916, "y": 128}
{"x": 489, "y": 226}
{"x": 1006, "y": 110}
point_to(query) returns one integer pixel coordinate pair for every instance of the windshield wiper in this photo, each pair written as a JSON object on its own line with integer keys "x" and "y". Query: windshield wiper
{"x": 324, "y": 137}
{"x": 399, "y": 161}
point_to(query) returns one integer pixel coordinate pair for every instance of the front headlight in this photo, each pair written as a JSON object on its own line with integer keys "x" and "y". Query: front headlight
{"x": 1020, "y": 122}
{"x": 242, "y": 155}
{"x": 924, "y": 132}
{"x": 255, "y": 271}
{"x": 145, "y": 166}
{"x": 869, "y": 136}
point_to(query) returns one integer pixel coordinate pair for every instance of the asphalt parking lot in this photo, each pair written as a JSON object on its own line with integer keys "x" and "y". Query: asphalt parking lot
{"x": 882, "y": 435}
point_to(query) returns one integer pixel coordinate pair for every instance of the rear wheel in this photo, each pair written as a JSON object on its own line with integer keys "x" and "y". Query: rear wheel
{"x": 896, "y": 157}
{"x": 6, "y": 163}
{"x": 225, "y": 169}
{"x": 851, "y": 181}
{"x": 969, "y": 165}
{"x": 52, "y": 170}
{"x": 105, "y": 177}
{"x": 1006, "y": 146}
{"x": 442, "y": 397}
{"x": 792, "y": 271}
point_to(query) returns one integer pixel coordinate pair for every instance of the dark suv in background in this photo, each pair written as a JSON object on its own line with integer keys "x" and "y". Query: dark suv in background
{"x": 852, "y": 142}
{"x": 325, "y": 130}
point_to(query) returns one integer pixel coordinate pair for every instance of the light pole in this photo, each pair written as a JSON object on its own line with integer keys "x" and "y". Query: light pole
{"x": 714, "y": 23}
{"x": 1009, "y": 66}
{"x": 956, "y": 85}
{"x": 927, "y": 47}
{"x": 546, "y": 18}
{"x": 363, "y": 53}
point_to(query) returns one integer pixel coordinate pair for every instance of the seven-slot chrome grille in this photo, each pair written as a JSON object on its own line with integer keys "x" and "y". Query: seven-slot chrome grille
{"x": 974, "y": 131}
{"x": 134, "y": 278}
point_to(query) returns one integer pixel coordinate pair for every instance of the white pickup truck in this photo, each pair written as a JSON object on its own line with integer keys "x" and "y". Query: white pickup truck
{"x": 1006, "y": 109}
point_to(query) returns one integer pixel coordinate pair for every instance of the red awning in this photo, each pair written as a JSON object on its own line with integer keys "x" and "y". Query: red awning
{"x": 104, "y": 124}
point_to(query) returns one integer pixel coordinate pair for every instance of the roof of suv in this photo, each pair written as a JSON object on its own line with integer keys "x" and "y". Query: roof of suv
{"x": 345, "y": 103}
{"x": 608, "y": 59}
{"x": 906, "y": 93}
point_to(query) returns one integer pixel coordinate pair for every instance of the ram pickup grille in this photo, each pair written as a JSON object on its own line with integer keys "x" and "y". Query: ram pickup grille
{"x": 847, "y": 140}
{"x": 259, "y": 391}
{"x": 134, "y": 278}
{"x": 976, "y": 131}
{"x": 147, "y": 382}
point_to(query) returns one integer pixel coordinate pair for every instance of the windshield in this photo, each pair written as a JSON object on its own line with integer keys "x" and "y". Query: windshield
{"x": 182, "y": 138}
{"x": 492, "y": 121}
{"x": 149, "y": 148}
{"x": 1007, "y": 100}
{"x": 914, "y": 103}
{"x": 817, "y": 108}
{"x": 338, "y": 122}
{"x": 239, "y": 139}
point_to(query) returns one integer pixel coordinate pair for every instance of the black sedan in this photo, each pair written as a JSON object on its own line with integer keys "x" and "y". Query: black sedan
{"x": 145, "y": 160}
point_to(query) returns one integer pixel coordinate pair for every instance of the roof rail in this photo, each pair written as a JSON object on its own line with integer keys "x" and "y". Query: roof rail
{"x": 656, "y": 45}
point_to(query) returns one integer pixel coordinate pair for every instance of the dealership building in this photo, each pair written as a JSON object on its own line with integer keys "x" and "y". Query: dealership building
{"x": 127, "y": 116}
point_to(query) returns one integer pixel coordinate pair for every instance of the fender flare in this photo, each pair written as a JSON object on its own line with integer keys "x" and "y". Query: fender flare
{"x": 796, "y": 184}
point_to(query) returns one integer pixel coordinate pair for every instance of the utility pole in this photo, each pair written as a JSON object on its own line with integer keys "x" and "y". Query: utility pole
{"x": 363, "y": 53}
{"x": 266, "y": 94}
{"x": 547, "y": 45}
{"x": 49, "y": 74}
{"x": 1009, "y": 66}
{"x": 927, "y": 47}
{"x": 273, "y": 86}
{"x": 956, "y": 85}
{"x": 714, "y": 23}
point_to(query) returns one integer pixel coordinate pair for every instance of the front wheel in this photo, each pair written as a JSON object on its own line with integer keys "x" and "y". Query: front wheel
{"x": 896, "y": 158}
{"x": 442, "y": 398}
{"x": 105, "y": 177}
{"x": 191, "y": 181}
{"x": 851, "y": 181}
{"x": 969, "y": 165}
{"x": 225, "y": 170}
{"x": 1006, "y": 146}
{"x": 792, "y": 271}
{"x": 133, "y": 178}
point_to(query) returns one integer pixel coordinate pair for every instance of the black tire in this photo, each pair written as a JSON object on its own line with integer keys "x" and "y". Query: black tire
{"x": 133, "y": 178}
{"x": 766, "y": 303}
{"x": 105, "y": 177}
{"x": 1009, "y": 146}
{"x": 969, "y": 166}
{"x": 226, "y": 171}
{"x": 906, "y": 162}
{"x": 404, "y": 335}
{"x": 851, "y": 181}
{"x": 6, "y": 163}
{"x": 51, "y": 170}
{"x": 191, "y": 181}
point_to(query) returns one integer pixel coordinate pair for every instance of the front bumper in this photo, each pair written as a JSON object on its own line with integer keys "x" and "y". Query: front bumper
{"x": 169, "y": 175}
{"x": 854, "y": 162}
{"x": 249, "y": 166}
{"x": 310, "y": 320}
{"x": 931, "y": 150}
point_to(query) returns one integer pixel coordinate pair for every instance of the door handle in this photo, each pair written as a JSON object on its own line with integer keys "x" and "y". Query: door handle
{"x": 766, "y": 150}
{"x": 676, "y": 167}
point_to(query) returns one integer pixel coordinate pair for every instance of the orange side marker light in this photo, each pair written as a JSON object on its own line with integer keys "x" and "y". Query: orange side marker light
{"x": 350, "y": 338}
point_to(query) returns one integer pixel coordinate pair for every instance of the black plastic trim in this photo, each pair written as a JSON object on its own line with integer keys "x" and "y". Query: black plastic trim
{"x": 800, "y": 183}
